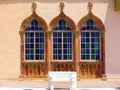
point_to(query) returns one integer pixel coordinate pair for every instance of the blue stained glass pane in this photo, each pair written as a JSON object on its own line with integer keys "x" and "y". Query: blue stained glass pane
{"x": 37, "y": 34}
{"x": 59, "y": 45}
{"x": 55, "y": 40}
{"x": 93, "y": 45}
{"x": 82, "y": 45}
{"x": 90, "y": 22}
{"x": 42, "y": 51}
{"x": 26, "y": 51}
{"x": 31, "y": 40}
{"x": 97, "y": 34}
{"x": 64, "y": 45}
{"x": 41, "y": 57}
{"x": 87, "y": 34}
{"x": 55, "y": 51}
{"x": 70, "y": 45}
{"x": 83, "y": 34}
{"x": 91, "y": 27}
{"x": 62, "y": 22}
{"x": 27, "y": 46}
{"x": 37, "y": 45}
{"x": 35, "y": 22}
{"x": 65, "y": 51}
{"x": 92, "y": 34}
{"x": 37, "y": 51}
{"x": 54, "y": 34}
{"x": 42, "y": 40}
{"x": 83, "y": 28}
{"x": 59, "y": 57}
{"x": 31, "y": 34}
{"x": 69, "y": 34}
{"x": 88, "y": 27}
{"x": 97, "y": 57}
{"x": 65, "y": 57}
{"x": 41, "y": 34}
{"x": 87, "y": 51}
{"x": 59, "y": 40}
{"x": 40, "y": 28}
{"x": 65, "y": 35}
{"x": 60, "y": 28}
{"x": 37, "y": 57}
{"x": 31, "y": 45}
{"x": 36, "y": 27}
{"x": 97, "y": 51}
{"x": 92, "y": 39}
{"x": 87, "y": 46}
{"x": 59, "y": 51}
{"x": 31, "y": 51}
{"x": 31, "y": 57}
{"x": 54, "y": 45}
{"x": 65, "y": 40}
{"x": 32, "y": 22}
{"x": 37, "y": 40}
{"x": 59, "y": 34}
{"x": 92, "y": 51}
{"x": 92, "y": 57}
{"x": 82, "y": 56}
{"x": 82, "y": 40}
{"x": 87, "y": 40}
{"x": 69, "y": 39}
{"x": 32, "y": 28}
{"x": 64, "y": 27}
{"x": 69, "y": 28}
{"x": 87, "y": 57}
{"x": 83, "y": 51}
{"x": 27, "y": 29}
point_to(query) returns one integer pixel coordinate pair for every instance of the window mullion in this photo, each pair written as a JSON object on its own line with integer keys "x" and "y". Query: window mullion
{"x": 34, "y": 45}
{"x": 62, "y": 46}
{"x": 90, "y": 45}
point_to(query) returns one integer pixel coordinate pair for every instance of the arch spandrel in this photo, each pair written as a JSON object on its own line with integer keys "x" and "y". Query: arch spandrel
{"x": 62, "y": 15}
{"x": 97, "y": 22}
{"x": 41, "y": 21}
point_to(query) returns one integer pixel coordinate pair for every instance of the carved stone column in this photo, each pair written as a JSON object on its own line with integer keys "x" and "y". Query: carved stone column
{"x": 21, "y": 51}
{"x": 48, "y": 49}
{"x": 104, "y": 77}
{"x": 76, "y": 52}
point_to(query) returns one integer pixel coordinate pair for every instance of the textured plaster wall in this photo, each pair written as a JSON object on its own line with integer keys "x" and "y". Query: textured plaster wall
{"x": 13, "y": 12}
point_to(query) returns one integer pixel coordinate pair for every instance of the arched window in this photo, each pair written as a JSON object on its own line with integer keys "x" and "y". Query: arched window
{"x": 34, "y": 41}
{"x": 33, "y": 57}
{"x": 92, "y": 45}
{"x": 62, "y": 41}
{"x": 90, "y": 41}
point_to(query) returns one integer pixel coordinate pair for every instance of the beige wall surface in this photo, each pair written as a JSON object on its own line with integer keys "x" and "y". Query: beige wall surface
{"x": 13, "y": 12}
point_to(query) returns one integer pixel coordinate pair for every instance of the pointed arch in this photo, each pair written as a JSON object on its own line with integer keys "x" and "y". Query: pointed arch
{"x": 92, "y": 41}
{"x": 32, "y": 33}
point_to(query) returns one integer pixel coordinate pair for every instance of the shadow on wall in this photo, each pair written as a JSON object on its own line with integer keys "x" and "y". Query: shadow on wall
{"x": 52, "y": 1}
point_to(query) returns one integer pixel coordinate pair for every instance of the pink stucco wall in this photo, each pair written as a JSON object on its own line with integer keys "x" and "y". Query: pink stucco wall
{"x": 13, "y": 12}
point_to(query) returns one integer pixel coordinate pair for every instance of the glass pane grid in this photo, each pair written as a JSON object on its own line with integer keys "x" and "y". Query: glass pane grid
{"x": 90, "y": 46}
{"x": 62, "y": 45}
{"x": 34, "y": 47}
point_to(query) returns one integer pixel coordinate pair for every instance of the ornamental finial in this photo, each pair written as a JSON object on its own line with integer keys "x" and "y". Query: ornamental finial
{"x": 61, "y": 6}
{"x": 34, "y": 6}
{"x": 90, "y": 6}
